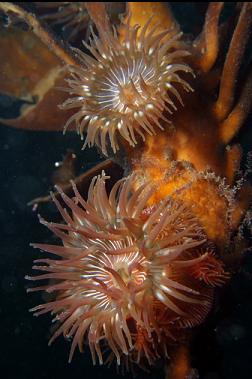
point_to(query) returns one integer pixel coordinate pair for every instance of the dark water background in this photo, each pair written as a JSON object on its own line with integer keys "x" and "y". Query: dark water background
{"x": 27, "y": 160}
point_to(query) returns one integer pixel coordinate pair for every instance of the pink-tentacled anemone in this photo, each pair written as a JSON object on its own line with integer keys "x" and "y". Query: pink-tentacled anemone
{"x": 128, "y": 85}
{"x": 128, "y": 275}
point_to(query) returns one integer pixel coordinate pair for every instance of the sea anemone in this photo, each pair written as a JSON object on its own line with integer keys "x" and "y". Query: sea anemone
{"x": 127, "y": 85}
{"x": 124, "y": 277}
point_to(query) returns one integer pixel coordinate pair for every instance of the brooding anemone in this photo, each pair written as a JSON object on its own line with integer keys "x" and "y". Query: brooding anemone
{"x": 127, "y": 85}
{"x": 129, "y": 274}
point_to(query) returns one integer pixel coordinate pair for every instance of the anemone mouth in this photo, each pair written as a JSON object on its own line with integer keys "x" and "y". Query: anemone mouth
{"x": 128, "y": 86}
{"x": 127, "y": 272}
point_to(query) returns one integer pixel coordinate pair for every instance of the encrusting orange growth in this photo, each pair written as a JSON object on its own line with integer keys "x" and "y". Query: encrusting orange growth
{"x": 139, "y": 263}
{"x": 210, "y": 196}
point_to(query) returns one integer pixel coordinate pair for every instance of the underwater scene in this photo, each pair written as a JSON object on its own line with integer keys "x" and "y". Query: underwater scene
{"x": 126, "y": 162}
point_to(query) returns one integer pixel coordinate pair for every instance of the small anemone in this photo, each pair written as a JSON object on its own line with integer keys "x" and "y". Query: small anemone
{"x": 128, "y": 84}
{"x": 123, "y": 277}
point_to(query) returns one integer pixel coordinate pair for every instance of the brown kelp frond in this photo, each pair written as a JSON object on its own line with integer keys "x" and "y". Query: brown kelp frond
{"x": 38, "y": 30}
{"x": 232, "y": 124}
{"x": 233, "y": 62}
{"x": 208, "y": 44}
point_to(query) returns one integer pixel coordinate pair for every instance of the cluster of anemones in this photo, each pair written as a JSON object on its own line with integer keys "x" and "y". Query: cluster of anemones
{"x": 127, "y": 86}
{"x": 130, "y": 275}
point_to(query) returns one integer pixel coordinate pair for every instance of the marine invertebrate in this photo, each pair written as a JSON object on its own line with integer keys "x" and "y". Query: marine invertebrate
{"x": 127, "y": 86}
{"x": 126, "y": 270}
{"x": 194, "y": 165}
